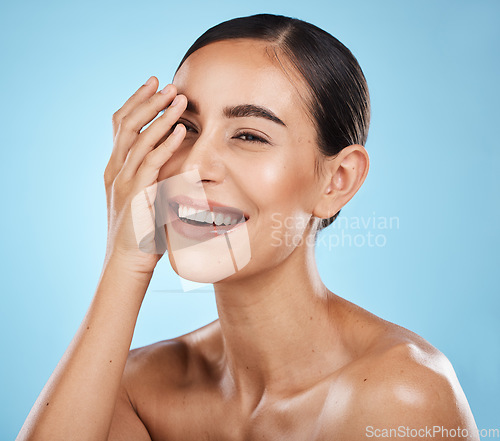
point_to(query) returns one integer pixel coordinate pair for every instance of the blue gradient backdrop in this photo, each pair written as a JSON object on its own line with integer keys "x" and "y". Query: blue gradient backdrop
{"x": 432, "y": 68}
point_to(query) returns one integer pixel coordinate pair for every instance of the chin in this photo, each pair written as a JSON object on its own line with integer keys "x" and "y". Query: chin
{"x": 212, "y": 260}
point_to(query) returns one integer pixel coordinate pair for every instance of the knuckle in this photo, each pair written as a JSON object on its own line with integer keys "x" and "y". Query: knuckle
{"x": 148, "y": 160}
{"x": 116, "y": 118}
{"x": 108, "y": 184}
{"x": 107, "y": 180}
{"x": 125, "y": 122}
{"x": 128, "y": 124}
{"x": 152, "y": 100}
{"x": 118, "y": 185}
{"x": 108, "y": 175}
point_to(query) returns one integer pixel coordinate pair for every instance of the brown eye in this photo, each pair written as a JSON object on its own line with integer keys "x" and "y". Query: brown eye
{"x": 249, "y": 137}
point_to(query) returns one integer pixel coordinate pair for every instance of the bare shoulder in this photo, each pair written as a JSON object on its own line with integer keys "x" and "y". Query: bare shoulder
{"x": 167, "y": 365}
{"x": 156, "y": 382}
{"x": 144, "y": 362}
{"x": 400, "y": 383}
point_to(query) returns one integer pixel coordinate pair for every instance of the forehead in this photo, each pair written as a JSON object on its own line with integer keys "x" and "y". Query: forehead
{"x": 233, "y": 72}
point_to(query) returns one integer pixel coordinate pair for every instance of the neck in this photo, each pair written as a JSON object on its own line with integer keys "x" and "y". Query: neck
{"x": 277, "y": 327}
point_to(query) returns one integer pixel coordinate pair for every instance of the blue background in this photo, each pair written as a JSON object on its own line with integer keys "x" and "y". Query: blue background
{"x": 433, "y": 70}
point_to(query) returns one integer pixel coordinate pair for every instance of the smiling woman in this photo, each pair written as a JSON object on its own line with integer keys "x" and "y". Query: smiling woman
{"x": 265, "y": 121}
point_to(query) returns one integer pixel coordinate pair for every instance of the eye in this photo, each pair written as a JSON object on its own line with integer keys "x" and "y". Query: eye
{"x": 250, "y": 137}
{"x": 189, "y": 127}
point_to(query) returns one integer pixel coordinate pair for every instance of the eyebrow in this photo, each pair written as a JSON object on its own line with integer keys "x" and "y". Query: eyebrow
{"x": 241, "y": 111}
{"x": 249, "y": 110}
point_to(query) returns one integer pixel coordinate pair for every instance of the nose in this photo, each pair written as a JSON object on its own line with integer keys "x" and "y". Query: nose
{"x": 206, "y": 158}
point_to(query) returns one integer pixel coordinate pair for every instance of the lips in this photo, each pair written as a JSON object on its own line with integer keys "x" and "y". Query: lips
{"x": 203, "y": 219}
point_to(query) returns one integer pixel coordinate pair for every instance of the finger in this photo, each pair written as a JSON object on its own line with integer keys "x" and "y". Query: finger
{"x": 131, "y": 124}
{"x": 150, "y": 137}
{"x": 147, "y": 174}
{"x": 141, "y": 95}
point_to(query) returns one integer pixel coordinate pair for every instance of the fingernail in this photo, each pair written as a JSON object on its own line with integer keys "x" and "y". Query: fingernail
{"x": 177, "y": 129}
{"x": 175, "y": 101}
{"x": 150, "y": 80}
{"x": 166, "y": 89}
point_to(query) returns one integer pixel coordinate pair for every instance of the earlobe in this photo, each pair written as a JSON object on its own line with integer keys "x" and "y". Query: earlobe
{"x": 345, "y": 175}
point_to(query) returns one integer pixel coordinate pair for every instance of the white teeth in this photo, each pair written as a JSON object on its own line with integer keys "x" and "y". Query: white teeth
{"x": 189, "y": 212}
{"x": 208, "y": 217}
{"x": 200, "y": 216}
{"x": 219, "y": 218}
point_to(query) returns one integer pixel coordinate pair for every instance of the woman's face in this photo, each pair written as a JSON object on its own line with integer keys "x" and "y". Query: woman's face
{"x": 252, "y": 142}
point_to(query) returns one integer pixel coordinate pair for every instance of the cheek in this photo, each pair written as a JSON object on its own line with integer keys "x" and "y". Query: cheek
{"x": 291, "y": 177}
{"x": 282, "y": 188}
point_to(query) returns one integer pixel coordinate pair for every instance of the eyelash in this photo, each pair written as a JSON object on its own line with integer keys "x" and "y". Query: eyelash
{"x": 256, "y": 139}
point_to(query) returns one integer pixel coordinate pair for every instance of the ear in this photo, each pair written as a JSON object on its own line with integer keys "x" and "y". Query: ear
{"x": 343, "y": 175}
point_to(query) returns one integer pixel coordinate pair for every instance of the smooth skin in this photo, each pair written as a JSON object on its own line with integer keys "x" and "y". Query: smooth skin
{"x": 287, "y": 359}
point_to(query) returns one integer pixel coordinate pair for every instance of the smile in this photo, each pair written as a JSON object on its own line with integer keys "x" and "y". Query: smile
{"x": 219, "y": 216}
{"x": 204, "y": 219}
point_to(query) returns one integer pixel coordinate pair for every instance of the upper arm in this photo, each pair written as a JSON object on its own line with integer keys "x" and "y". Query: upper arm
{"x": 142, "y": 402}
{"x": 126, "y": 424}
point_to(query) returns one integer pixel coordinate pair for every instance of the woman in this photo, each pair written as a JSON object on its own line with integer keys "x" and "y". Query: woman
{"x": 266, "y": 120}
